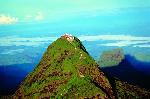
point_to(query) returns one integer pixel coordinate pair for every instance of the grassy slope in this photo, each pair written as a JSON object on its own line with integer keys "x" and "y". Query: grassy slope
{"x": 66, "y": 70}
{"x": 128, "y": 91}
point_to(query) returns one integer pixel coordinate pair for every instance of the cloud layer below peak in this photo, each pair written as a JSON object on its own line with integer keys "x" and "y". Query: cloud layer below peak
{"x": 119, "y": 40}
{"x": 102, "y": 40}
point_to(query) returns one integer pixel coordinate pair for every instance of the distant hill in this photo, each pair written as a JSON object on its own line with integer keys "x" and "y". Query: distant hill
{"x": 66, "y": 70}
{"x": 125, "y": 67}
{"x": 127, "y": 72}
{"x": 111, "y": 58}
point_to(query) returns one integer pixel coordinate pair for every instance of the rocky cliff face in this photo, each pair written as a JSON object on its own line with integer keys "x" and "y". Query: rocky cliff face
{"x": 66, "y": 70}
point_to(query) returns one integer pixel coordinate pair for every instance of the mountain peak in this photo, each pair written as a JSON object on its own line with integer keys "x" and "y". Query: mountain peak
{"x": 66, "y": 70}
{"x": 68, "y": 37}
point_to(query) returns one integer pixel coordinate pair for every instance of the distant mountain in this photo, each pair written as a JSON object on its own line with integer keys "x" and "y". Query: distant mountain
{"x": 66, "y": 70}
{"x": 111, "y": 58}
{"x": 127, "y": 72}
{"x": 125, "y": 67}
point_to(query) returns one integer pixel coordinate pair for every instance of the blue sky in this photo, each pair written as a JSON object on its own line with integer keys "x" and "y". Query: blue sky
{"x": 13, "y": 11}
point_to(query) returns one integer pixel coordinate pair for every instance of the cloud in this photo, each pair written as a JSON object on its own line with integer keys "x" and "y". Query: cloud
{"x": 126, "y": 43}
{"x": 12, "y": 51}
{"x": 144, "y": 45}
{"x": 112, "y": 37}
{"x": 107, "y": 40}
{"x": 34, "y": 17}
{"x": 39, "y": 16}
{"x": 119, "y": 40}
{"x": 28, "y": 17}
{"x": 6, "y": 19}
{"x": 25, "y": 41}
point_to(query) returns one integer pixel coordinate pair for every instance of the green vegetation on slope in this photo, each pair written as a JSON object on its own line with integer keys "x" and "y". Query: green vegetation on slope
{"x": 127, "y": 91}
{"x": 65, "y": 71}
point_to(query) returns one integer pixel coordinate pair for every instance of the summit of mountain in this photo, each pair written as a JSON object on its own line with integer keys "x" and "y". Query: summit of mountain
{"x": 66, "y": 70}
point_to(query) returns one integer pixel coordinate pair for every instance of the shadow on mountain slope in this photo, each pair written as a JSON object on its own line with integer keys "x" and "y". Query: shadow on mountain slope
{"x": 126, "y": 71}
{"x": 139, "y": 65}
{"x": 11, "y": 77}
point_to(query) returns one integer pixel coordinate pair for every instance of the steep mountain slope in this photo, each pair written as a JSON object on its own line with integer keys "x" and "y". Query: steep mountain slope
{"x": 128, "y": 91}
{"x": 65, "y": 70}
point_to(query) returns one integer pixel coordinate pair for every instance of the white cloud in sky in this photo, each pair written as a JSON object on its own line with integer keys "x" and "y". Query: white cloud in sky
{"x": 28, "y": 17}
{"x": 6, "y": 19}
{"x": 33, "y": 17}
{"x": 39, "y": 16}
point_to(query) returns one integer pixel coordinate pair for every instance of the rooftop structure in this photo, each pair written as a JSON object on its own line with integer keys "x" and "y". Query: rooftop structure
{"x": 69, "y": 37}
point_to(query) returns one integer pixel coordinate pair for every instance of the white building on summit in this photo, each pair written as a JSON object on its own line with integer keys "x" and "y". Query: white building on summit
{"x": 69, "y": 37}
